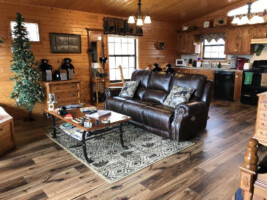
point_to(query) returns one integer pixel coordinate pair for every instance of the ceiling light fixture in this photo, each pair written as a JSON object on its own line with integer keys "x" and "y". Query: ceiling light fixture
{"x": 139, "y": 21}
{"x": 248, "y": 14}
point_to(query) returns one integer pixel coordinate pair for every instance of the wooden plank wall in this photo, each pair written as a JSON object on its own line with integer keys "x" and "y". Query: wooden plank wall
{"x": 73, "y": 22}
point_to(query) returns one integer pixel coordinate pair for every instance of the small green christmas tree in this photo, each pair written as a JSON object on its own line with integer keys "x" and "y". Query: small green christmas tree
{"x": 27, "y": 90}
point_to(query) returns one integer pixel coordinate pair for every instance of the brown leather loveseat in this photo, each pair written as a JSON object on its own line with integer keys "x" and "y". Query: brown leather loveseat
{"x": 147, "y": 110}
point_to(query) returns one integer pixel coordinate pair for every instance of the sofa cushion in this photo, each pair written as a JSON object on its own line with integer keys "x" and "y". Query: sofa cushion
{"x": 157, "y": 96}
{"x": 134, "y": 108}
{"x": 158, "y": 116}
{"x": 129, "y": 89}
{"x": 178, "y": 95}
{"x": 116, "y": 103}
{"x": 195, "y": 81}
{"x": 160, "y": 81}
{"x": 142, "y": 76}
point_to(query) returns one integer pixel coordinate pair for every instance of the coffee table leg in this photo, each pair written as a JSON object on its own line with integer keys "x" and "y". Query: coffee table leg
{"x": 84, "y": 148}
{"x": 121, "y": 137}
{"x": 54, "y": 127}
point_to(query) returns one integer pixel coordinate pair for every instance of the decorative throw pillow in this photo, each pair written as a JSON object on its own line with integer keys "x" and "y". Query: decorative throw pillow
{"x": 129, "y": 89}
{"x": 178, "y": 95}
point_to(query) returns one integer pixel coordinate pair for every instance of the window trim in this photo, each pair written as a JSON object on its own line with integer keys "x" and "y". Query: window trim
{"x": 212, "y": 45}
{"x": 130, "y": 55}
{"x": 28, "y": 21}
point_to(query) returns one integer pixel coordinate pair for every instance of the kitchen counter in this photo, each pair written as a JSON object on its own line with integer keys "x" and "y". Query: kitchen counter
{"x": 207, "y": 68}
{"x": 209, "y": 73}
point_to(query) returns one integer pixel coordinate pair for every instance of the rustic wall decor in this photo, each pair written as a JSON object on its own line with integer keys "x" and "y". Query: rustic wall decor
{"x": 65, "y": 43}
{"x": 116, "y": 26}
{"x": 220, "y": 21}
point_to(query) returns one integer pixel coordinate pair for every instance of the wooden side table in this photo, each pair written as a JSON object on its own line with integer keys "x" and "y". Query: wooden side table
{"x": 6, "y": 132}
{"x": 97, "y": 82}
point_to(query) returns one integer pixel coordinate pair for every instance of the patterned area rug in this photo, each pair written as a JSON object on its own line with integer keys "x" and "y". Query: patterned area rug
{"x": 111, "y": 161}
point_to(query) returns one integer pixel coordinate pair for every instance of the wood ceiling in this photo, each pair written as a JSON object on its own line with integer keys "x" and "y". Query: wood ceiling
{"x": 178, "y": 11}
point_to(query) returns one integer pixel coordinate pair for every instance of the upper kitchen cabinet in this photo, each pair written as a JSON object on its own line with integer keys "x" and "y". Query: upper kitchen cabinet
{"x": 186, "y": 43}
{"x": 237, "y": 41}
{"x": 259, "y": 31}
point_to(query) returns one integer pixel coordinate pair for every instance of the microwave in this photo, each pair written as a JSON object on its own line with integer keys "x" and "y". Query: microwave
{"x": 180, "y": 62}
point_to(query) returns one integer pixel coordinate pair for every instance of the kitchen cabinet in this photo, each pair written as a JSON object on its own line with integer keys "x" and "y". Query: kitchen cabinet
{"x": 259, "y": 32}
{"x": 186, "y": 43}
{"x": 237, "y": 41}
{"x": 238, "y": 85}
{"x": 208, "y": 73}
{"x": 182, "y": 70}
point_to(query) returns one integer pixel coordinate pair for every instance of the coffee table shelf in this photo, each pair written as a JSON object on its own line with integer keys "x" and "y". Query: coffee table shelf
{"x": 117, "y": 120}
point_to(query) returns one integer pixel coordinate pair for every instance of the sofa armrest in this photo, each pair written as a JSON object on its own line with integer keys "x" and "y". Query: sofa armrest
{"x": 112, "y": 91}
{"x": 190, "y": 108}
{"x": 188, "y": 118}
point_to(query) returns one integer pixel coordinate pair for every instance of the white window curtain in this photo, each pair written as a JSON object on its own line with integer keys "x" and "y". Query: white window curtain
{"x": 209, "y": 37}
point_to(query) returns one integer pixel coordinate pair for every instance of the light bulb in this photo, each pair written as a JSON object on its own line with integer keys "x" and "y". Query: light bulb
{"x": 139, "y": 22}
{"x": 131, "y": 19}
{"x": 147, "y": 20}
{"x": 99, "y": 37}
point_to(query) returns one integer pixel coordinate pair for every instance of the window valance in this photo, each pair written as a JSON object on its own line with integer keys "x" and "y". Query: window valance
{"x": 209, "y": 37}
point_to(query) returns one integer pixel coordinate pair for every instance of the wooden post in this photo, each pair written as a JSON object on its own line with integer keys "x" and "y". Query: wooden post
{"x": 251, "y": 158}
{"x": 249, "y": 169}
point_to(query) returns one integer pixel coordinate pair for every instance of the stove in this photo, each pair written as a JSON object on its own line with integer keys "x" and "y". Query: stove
{"x": 254, "y": 82}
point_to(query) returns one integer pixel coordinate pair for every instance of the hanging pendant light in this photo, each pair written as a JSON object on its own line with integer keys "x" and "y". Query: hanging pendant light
{"x": 139, "y": 21}
{"x": 248, "y": 14}
{"x": 236, "y": 20}
{"x": 131, "y": 19}
{"x": 147, "y": 19}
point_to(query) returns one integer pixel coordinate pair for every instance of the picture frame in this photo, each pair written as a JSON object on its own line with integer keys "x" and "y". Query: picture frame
{"x": 65, "y": 43}
{"x": 206, "y": 24}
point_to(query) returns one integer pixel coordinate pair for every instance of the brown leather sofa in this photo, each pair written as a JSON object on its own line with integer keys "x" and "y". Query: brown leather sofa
{"x": 147, "y": 110}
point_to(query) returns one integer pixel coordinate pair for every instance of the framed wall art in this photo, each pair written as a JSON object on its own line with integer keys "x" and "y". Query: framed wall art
{"x": 65, "y": 43}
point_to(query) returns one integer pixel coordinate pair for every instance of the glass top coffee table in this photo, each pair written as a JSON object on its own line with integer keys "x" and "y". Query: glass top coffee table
{"x": 116, "y": 120}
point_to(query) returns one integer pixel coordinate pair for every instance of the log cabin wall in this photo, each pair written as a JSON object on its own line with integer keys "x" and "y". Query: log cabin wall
{"x": 72, "y": 22}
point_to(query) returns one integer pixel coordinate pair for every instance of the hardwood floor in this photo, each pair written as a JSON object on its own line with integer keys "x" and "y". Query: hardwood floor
{"x": 40, "y": 169}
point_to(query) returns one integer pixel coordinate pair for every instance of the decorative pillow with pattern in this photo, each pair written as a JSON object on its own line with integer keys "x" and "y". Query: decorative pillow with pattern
{"x": 129, "y": 89}
{"x": 178, "y": 95}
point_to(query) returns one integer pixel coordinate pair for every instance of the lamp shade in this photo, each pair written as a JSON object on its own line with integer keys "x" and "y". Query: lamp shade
{"x": 139, "y": 22}
{"x": 235, "y": 20}
{"x": 147, "y": 20}
{"x": 131, "y": 20}
{"x": 244, "y": 20}
{"x": 256, "y": 19}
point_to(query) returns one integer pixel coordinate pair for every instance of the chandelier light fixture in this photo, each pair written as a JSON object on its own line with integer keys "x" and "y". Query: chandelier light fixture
{"x": 249, "y": 14}
{"x": 139, "y": 18}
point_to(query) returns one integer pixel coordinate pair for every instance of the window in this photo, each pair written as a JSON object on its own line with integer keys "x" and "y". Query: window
{"x": 213, "y": 50}
{"x": 32, "y": 28}
{"x": 122, "y": 51}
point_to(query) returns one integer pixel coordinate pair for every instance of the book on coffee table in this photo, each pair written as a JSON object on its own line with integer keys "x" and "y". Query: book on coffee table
{"x": 99, "y": 113}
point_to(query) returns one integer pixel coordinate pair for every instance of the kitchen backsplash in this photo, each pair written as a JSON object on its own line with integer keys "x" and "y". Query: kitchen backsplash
{"x": 253, "y": 57}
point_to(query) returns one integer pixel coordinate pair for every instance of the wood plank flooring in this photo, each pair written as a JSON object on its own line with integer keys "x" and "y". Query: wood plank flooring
{"x": 40, "y": 169}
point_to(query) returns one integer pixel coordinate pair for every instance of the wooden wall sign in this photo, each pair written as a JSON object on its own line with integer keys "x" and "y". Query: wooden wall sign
{"x": 65, "y": 43}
